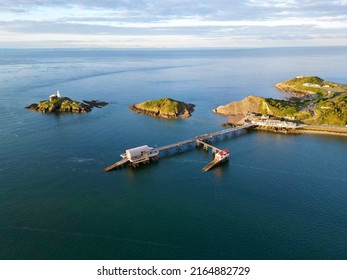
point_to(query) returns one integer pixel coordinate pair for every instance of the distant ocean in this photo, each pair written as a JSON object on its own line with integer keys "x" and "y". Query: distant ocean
{"x": 279, "y": 197}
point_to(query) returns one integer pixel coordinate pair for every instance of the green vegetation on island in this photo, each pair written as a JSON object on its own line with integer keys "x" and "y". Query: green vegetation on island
{"x": 310, "y": 86}
{"x": 55, "y": 103}
{"x": 317, "y": 102}
{"x": 164, "y": 108}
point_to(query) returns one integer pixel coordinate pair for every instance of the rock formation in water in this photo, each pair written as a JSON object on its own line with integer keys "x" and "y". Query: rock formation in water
{"x": 55, "y": 103}
{"x": 164, "y": 108}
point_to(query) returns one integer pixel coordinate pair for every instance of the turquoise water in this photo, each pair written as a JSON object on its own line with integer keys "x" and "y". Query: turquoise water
{"x": 279, "y": 197}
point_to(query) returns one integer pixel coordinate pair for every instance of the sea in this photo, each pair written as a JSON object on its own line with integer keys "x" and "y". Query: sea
{"x": 279, "y": 196}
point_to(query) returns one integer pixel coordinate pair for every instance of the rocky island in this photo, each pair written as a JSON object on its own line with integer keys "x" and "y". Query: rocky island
{"x": 56, "y": 103}
{"x": 316, "y": 102}
{"x": 164, "y": 108}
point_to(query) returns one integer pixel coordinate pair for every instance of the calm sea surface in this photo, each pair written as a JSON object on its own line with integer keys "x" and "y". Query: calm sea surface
{"x": 279, "y": 197}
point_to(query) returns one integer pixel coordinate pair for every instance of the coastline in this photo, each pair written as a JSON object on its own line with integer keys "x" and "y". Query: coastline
{"x": 310, "y": 129}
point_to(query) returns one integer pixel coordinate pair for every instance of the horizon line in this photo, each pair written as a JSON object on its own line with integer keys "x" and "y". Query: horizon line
{"x": 170, "y": 48}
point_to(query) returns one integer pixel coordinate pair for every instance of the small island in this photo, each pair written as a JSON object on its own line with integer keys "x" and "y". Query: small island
{"x": 316, "y": 102}
{"x": 164, "y": 108}
{"x": 56, "y": 104}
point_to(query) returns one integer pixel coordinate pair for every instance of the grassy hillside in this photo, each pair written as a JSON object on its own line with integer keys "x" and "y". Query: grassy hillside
{"x": 282, "y": 108}
{"x": 306, "y": 86}
{"x": 165, "y": 107}
{"x": 299, "y": 83}
{"x": 328, "y": 105}
{"x": 332, "y": 111}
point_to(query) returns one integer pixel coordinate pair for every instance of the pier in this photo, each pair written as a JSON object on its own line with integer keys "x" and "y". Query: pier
{"x": 212, "y": 164}
{"x": 206, "y": 146}
{"x": 150, "y": 154}
{"x": 204, "y": 140}
{"x": 201, "y": 140}
{"x": 204, "y": 137}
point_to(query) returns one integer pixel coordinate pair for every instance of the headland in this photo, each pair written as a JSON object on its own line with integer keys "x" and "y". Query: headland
{"x": 318, "y": 106}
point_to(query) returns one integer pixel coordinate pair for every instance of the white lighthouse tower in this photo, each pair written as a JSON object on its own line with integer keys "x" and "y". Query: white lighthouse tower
{"x": 54, "y": 96}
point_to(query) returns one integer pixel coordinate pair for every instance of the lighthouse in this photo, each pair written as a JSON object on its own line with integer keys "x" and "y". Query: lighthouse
{"x": 54, "y": 96}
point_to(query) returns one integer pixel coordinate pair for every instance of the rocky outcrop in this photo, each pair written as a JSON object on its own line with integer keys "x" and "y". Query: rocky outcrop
{"x": 295, "y": 91}
{"x": 65, "y": 104}
{"x": 164, "y": 108}
{"x": 251, "y": 104}
{"x": 95, "y": 103}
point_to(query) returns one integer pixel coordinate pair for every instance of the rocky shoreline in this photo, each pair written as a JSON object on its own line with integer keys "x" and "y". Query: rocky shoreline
{"x": 65, "y": 104}
{"x": 309, "y": 129}
{"x": 297, "y": 92}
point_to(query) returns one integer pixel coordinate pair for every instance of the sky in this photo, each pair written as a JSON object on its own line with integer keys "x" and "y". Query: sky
{"x": 172, "y": 23}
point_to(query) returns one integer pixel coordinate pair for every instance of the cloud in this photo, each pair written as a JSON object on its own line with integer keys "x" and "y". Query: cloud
{"x": 238, "y": 21}
{"x": 274, "y": 3}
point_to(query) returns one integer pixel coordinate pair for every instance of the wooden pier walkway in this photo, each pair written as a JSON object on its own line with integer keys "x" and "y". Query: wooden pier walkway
{"x": 116, "y": 165}
{"x": 212, "y": 164}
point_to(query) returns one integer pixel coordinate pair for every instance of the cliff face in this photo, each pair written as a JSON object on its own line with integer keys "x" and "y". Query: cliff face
{"x": 254, "y": 104}
{"x": 164, "y": 108}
